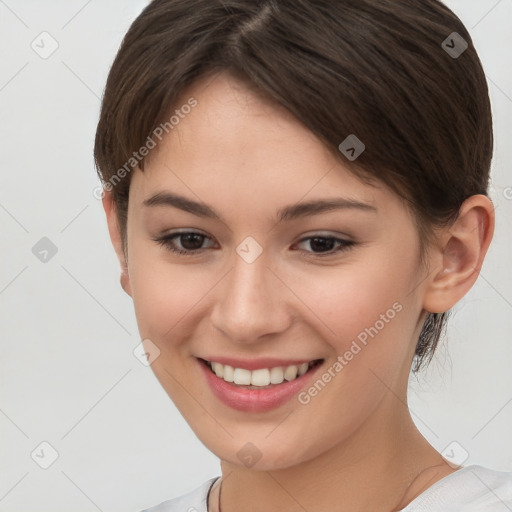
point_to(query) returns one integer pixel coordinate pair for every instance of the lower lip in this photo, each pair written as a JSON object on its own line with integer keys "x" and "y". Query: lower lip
{"x": 255, "y": 400}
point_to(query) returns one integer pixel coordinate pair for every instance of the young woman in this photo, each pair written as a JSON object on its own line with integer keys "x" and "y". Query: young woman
{"x": 297, "y": 194}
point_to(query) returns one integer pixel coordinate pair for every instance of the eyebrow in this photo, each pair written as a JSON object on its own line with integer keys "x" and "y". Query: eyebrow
{"x": 291, "y": 212}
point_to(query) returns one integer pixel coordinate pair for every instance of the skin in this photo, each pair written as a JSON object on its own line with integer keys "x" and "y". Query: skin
{"x": 355, "y": 444}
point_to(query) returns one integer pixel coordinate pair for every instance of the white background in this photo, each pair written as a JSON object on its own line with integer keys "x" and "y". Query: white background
{"x": 68, "y": 374}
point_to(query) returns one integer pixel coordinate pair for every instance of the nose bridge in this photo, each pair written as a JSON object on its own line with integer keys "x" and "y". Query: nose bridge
{"x": 249, "y": 305}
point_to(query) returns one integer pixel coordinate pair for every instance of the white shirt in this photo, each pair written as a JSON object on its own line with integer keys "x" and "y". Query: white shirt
{"x": 469, "y": 489}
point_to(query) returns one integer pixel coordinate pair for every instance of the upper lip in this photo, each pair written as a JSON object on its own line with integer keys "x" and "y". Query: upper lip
{"x": 256, "y": 364}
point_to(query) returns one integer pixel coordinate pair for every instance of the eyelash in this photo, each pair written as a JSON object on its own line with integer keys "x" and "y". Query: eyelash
{"x": 167, "y": 243}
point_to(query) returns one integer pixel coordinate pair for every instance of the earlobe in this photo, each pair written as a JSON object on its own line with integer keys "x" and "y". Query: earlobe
{"x": 115, "y": 236}
{"x": 125, "y": 281}
{"x": 460, "y": 257}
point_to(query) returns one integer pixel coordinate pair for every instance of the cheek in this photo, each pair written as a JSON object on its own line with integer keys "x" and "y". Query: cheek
{"x": 366, "y": 312}
{"x": 165, "y": 295}
{"x": 348, "y": 300}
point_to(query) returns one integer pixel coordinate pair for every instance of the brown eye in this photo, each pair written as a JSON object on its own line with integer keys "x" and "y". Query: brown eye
{"x": 327, "y": 245}
{"x": 191, "y": 241}
{"x": 184, "y": 242}
{"x": 322, "y": 244}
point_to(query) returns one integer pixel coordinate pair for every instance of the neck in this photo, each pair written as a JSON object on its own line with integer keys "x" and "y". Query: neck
{"x": 377, "y": 468}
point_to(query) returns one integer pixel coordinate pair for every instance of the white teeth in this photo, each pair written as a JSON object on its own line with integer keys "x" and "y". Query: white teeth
{"x": 303, "y": 368}
{"x": 290, "y": 373}
{"x": 218, "y": 369}
{"x": 276, "y": 375}
{"x": 242, "y": 376}
{"x": 261, "y": 377}
{"x": 229, "y": 373}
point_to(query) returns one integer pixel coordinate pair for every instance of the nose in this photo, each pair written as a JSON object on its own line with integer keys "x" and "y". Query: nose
{"x": 251, "y": 303}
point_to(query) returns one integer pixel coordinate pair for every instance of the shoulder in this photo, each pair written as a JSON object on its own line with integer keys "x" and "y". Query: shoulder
{"x": 194, "y": 501}
{"x": 470, "y": 489}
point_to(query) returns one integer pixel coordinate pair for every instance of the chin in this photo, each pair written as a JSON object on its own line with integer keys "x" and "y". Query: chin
{"x": 256, "y": 452}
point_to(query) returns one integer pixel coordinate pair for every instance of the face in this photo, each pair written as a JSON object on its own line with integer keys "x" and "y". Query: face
{"x": 252, "y": 247}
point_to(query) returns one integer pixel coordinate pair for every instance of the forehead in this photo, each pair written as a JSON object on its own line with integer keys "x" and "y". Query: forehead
{"x": 232, "y": 124}
{"x": 235, "y": 146}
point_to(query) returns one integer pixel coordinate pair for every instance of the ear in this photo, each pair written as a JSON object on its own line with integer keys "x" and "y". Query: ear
{"x": 458, "y": 258}
{"x": 115, "y": 236}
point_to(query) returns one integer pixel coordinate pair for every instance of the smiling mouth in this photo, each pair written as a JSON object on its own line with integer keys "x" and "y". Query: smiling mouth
{"x": 261, "y": 378}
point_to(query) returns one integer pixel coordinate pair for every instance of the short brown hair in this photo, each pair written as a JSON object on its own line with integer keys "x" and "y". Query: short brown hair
{"x": 378, "y": 69}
